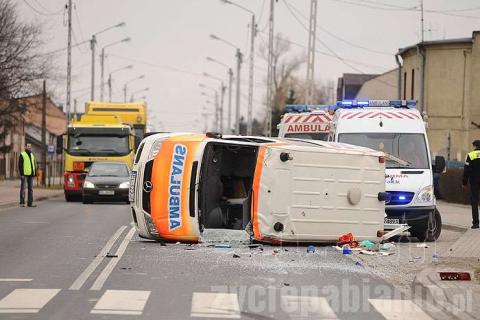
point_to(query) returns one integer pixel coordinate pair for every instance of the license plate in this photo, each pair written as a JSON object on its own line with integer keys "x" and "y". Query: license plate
{"x": 131, "y": 190}
{"x": 106, "y": 192}
{"x": 391, "y": 221}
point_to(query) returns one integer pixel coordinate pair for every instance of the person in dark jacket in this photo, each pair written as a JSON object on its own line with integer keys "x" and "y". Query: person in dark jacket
{"x": 471, "y": 173}
{"x": 27, "y": 169}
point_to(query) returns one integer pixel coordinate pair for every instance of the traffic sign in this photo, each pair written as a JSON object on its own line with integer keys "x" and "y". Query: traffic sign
{"x": 51, "y": 149}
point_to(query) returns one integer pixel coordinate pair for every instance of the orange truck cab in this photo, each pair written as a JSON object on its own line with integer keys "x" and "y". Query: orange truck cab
{"x": 277, "y": 190}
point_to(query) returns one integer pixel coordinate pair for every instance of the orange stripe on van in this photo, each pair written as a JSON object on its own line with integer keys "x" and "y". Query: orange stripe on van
{"x": 256, "y": 191}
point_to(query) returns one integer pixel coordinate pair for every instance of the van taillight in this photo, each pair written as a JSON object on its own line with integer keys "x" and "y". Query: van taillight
{"x": 381, "y": 159}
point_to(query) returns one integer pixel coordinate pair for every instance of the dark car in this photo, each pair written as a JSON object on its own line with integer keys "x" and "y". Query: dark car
{"x": 106, "y": 181}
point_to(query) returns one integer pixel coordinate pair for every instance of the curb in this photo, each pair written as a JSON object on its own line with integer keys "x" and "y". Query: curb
{"x": 9, "y": 205}
{"x": 454, "y": 227}
{"x": 425, "y": 285}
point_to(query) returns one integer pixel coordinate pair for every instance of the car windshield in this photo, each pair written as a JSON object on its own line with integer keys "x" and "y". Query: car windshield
{"x": 98, "y": 145}
{"x": 410, "y": 147}
{"x": 308, "y": 135}
{"x": 109, "y": 170}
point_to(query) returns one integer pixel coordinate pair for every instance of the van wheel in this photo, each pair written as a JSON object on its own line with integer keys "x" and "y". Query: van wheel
{"x": 69, "y": 197}
{"x": 86, "y": 200}
{"x": 434, "y": 228}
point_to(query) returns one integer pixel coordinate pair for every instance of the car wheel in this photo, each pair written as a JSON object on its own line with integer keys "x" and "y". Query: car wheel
{"x": 432, "y": 230}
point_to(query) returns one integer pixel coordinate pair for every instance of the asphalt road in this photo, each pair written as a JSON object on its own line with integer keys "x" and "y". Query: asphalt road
{"x": 72, "y": 261}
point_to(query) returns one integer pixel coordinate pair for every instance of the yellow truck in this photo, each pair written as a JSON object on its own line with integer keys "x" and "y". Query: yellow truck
{"x": 134, "y": 114}
{"x": 94, "y": 138}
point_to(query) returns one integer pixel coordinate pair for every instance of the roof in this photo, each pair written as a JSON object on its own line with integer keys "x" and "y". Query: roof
{"x": 436, "y": 42}
{"x": 56, "y": 118}
{"x": 356, "y": 78}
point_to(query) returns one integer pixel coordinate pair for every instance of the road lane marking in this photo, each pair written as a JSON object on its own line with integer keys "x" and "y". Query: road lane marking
{"x": 310, "y": 307}
{"x": 14, "y": 280}
{"x": 392, "y": 309}
{"x": 215, "y": 305}
{"x": 82, "y": 278}
{"x": 122, "y": 302}
{"x": 27, "y": 300}
{"x": 102, "y": 277}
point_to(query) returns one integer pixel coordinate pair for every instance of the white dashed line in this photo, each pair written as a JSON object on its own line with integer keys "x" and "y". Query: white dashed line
{"x": 27, "y": 300}
{"x": 122, "y": 302}
{"x": 215, "y": 305}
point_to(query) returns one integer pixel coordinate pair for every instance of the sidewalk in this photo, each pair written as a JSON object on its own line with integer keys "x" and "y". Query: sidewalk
{"x": 455, "y": 216}
{"x": 9, "y": 191}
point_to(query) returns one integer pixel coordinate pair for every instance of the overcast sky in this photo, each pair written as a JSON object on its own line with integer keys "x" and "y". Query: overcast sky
{"x": 170, "y": 40}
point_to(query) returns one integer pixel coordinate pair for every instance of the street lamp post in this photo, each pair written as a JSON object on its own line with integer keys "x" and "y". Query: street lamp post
{"x": 110, "y": 80}
{"x": 230, "y": 81}
{"x": 93, "y": 43}
{"x": 253, "y": 29}
{"x": 138, "y": 91}
{"x": 239, "y": 56}
{"x": 222, "y": 94}
{"x": 125, "y": 86}
{"x": 102, "y": 64}
{"x": 215, "y": 104}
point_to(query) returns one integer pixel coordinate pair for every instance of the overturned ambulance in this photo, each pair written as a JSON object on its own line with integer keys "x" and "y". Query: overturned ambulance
{"x": 277, "y": 190}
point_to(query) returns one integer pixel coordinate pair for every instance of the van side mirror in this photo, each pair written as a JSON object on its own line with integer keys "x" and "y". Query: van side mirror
{"x": 439, "y": 165}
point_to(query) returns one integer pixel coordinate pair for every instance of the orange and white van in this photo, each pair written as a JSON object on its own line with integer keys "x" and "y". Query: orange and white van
{"x": 277, "y": 190}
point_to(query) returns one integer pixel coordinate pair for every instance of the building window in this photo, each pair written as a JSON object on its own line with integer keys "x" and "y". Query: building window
{"x": 405, "y": 85}
{"x": 413, "y": 85}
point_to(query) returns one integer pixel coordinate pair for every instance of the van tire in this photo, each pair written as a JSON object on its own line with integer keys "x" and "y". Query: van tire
{"x": 433, "y": 228}
{"x": 69, "y": 197}
{"x": 86, "y": 200}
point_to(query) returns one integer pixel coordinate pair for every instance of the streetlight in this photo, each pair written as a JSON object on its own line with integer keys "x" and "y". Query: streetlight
{"x": 128, "y": 82}
{"x": 251, "y": 64}
{"x": 222, "y": 91}
{"x": 215, "y": 105}
{"x": 230, "y": 80}
{"x": 138, "y": 91}
{"x": 93, "y": 42}
{"x": 110, "y": 80}
{"x": 102, "y": 63}
{"x": 238, "y": 55}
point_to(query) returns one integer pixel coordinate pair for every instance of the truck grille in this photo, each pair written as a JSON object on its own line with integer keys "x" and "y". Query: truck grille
{"x": 147, "y": 178}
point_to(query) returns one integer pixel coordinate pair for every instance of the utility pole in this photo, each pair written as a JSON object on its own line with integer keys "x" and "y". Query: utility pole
{"x": 223, "y": 88}
{"x": 110, "y": 87}
{"x": 237, "y": 93}
{"x": 44, "y": 132}
{"x": 216, "y": 112}
{"x": 75, "y": 108}
{"x": 311, "y": 53}
{"x": 250, "y": 76}
{"x": 125, "y": 93}
{"x": 93, "y": 42}
{"x": 229, "y": 120}
{"x": 69, "y": 61}
{"x": 270, "y": 74}
{"x": 102, "y": 65}
{"x": 421, "y": 20}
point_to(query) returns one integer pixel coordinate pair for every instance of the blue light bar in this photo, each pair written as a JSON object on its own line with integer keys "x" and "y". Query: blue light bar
{"x": 376, "y": 103}
{"x": 299, "y": 108}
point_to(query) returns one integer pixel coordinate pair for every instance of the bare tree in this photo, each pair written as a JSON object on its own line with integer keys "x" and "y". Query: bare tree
{"x": 284, "y": 67}
{"x": 21, "y": 65}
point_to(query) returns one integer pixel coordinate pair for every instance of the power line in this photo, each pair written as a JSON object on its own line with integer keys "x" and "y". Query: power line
{"x": 329, "y": 49}
{"x": 48, "y": 11}
{"x": 42, "y": 13}
{"x": 342, "y": 39}
{"x": 390, "y": 7}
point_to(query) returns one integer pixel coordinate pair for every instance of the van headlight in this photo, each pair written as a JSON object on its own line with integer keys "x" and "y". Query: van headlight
{"x": 124, "y": 185}
{"x": 154, "y": 149}
{"x": 88, "y": 185}
{"x": 70, "y": 181}
{"x": 425, "y": 195}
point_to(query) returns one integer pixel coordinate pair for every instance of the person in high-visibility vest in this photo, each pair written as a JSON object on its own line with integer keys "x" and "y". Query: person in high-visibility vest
{"x": 471, "y": 173}
{"x": 27, "y": 168}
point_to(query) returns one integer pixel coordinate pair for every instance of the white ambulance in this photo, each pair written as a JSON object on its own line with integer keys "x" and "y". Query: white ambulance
{"x": 397, "y": 128}
{"x": 305, "y": 122}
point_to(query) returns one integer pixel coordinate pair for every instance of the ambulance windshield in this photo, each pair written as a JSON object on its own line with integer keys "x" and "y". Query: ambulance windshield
{"x": 323, "y": 136}
{"x": 410, "y": 147}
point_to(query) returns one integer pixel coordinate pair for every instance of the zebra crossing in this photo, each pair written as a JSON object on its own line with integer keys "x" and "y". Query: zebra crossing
{"x": 202, "y": 305}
